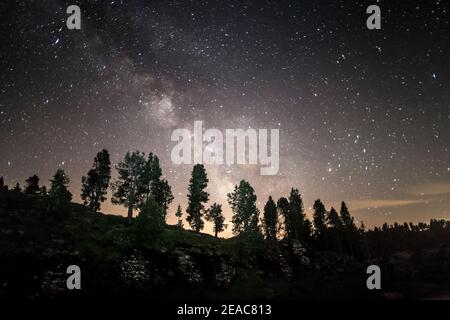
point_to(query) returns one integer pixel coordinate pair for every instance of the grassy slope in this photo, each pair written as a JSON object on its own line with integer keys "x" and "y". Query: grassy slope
{"x": 37, "y": 246}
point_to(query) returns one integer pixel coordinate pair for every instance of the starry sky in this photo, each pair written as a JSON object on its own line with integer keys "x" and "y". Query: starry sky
{"x": 363, "y": 115}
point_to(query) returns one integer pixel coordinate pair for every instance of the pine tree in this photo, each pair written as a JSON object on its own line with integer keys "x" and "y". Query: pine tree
{"x": 336, "y": 228}
{"x": 32, "y": 185}
{"x": 151, "y": 175}
{"x": 197, "y": 197}
{"x": 245, "y": 213}
{"x": 179, "y": 215}
{"x": 214, "y": 214}
{"x": 350, "y": 231}
{"x": 333, "y": 219}
{"x": 163, "y": 194}
{"x": 154, "y": 185}
{"x": 346, "y": 218}
{"x": 299, "y": 224}
{"x": 59, "y": 195}
{"x": 283, "y": 211}
{"x": 150, "y": 221}
{"x": 270, "y": 219}
{"x": 95, "y": 184}
{"x": 319, "y": 220}
{"x": 128, "y": 188}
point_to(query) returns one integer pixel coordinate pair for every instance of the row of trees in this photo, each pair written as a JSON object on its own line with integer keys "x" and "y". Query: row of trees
{"x": 140, "y": 185}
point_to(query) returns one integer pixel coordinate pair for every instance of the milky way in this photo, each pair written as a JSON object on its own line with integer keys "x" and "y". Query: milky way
{"x": 363, "y": 115}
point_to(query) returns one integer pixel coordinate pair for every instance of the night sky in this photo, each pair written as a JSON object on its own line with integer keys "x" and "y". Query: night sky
{"x": 363, "y": 115}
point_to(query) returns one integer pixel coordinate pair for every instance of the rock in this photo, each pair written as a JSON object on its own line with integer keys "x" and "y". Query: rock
{"x": 225, "y": 275}
{"x": 188, "y": 269}
{"x": 134, "y": 271}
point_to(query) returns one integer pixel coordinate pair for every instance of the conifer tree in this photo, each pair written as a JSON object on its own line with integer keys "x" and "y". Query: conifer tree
{"x": 32, "y": 185}
{"x": 59, "y": 195}
{"x": 283, "y": 211}
{"x": 128, "y": 188}
{"x": 197, "y": 197}
{"x": 95, "y": 184}
{"x": 336, "y": 229}
{"x": 299, "y": 224}
{"x": 154, "y": 185}
{"x": 319, "y": 220}
{"x": 214, "y": 214}
{"x": 245, "y": 212}
{"x": 270, "y": 219}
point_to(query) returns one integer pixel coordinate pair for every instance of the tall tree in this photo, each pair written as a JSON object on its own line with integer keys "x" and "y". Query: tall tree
{"x": 150, "y": 221}
{"x": 346, "y": 218}
{"x": 197, "y": 197}
{"x": 151, "y": 174}
{"x": 270, "y": 219}
{"x": 59, "y": 195}
{"x": 163, "y": 195}
{"x": 154, "y": 185}
{"x": 245, "y": 213}
{"x": 95, "y": 184}
{"x": 127, "y": 189}
{"x": 350, "y": 231}
{"x": 283, "y": 211}
{"x": 299, "y": 224}
{"x": 336, "y": 228}
{"x": 214, "y": 214}
{"x": 179, "y": 215}
{"x": 32, "y": 185}
{"x": 319, "y": 220}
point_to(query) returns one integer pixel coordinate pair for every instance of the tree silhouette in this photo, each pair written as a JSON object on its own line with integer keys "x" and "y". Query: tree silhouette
{"x": 179, "y": 215}
{"x": 197, "y": 197}
{"x": 59, "y": 195}
{"x": 95, "y": 184}
{"x": 283, "y": 211}
{"x": 300, "y": 226}
{"x": 17, "y": 188}
{"x": 163, "y": 195}
{"x": 150, "y": 221}
{"x": 214, "y": 215}
{"x": 336, "y": 229}
{"x": 154, "y": 185}
{"x": 128, "y": 188}
{"x": 245, "y": 212}
{"x": 270, "y": 219}
{"x": 319, "y": 220}
{"x": 350, "y": 231}
{"x": 32, "y": 185}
